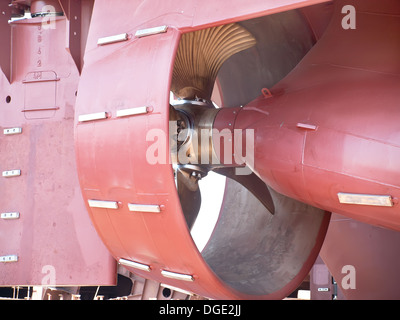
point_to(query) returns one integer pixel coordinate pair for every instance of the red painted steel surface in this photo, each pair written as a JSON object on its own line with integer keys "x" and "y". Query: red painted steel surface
{"x": 54, "y": 239}
{"x": 370, "y": 252}
{"x": 330, "y": 126}
{"x": 111, "y": 152}
{"x": 347, "y": 88}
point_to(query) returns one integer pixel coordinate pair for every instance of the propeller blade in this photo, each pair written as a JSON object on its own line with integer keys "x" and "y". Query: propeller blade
{"x": 252, "y": 183}
{"x": 189, "y": 195}
{"x": 201, "y": 54}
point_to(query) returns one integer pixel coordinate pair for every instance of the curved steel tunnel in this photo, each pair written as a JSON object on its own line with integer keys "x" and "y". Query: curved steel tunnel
{"x": 135, "y": 205}
{"x": 251, "y": 254}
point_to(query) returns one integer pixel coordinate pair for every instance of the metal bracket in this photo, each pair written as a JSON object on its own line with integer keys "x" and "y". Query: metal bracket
{"x": 9, "y": 215}
{"x": 103, "y": 204}
{"x": 365, "y": 199}
{"x": 11, "y": 173}
{"x": 135, "y": 265}
{"x": 133, "y": 111}
{"x": 150, "y": 31}
{"x": 10, "y": 258}
{"x": 12, "y": 131}
{"x": 92, "y": 116}
{"x": 144, "y": 208}
{"x": 177, "y": 276}
{"x": 113, "y": 39}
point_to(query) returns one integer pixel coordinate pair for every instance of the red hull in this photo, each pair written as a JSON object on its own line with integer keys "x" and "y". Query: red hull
{"x": 76, "y": 118}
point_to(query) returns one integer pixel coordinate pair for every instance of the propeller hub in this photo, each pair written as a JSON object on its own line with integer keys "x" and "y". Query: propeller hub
{"x": 192, "y": 135}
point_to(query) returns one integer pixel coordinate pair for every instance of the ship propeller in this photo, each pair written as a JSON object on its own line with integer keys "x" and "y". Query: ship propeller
{"x": 199, "y": 57}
